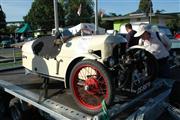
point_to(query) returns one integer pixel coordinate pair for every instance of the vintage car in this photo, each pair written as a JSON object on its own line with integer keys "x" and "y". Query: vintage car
{"x": 92, "y": 66}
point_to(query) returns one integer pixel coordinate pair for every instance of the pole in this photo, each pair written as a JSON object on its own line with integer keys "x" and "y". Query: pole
{"x": 150, "y": 16}
{"x": 56, "y": 17}
{"x": 96, "y": 16}
{"x": 14, "y": 56}
{"x": 150, "y": 13}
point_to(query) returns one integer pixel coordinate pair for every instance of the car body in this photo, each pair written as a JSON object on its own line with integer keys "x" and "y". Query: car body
{"x": 92, "y": 66}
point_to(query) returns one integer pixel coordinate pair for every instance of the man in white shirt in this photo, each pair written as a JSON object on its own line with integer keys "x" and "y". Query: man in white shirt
{"x": 159, "y": 48}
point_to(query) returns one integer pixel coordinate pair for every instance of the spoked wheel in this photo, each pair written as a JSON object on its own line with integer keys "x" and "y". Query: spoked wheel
{"x": 142, "y": 69}
{"x": 90, "y": 84}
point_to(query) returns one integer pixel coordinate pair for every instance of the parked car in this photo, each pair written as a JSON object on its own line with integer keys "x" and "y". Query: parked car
{"x": 6, "y": 42}
{"x": 175, "y": 47}
{"x": 177, "y": 36}
{"x": 92, "y": 66}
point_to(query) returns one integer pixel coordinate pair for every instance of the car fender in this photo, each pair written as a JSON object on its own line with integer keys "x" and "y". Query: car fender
{"x": 74, "y": 61}
{"x": 140, "y": 48}
{"x": 136, "y": 47}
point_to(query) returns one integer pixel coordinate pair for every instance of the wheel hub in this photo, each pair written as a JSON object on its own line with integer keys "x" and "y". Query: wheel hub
{"x": 91, "y": 86}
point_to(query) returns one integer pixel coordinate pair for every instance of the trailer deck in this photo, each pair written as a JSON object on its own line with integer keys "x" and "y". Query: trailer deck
{"x": 59, "y": 102}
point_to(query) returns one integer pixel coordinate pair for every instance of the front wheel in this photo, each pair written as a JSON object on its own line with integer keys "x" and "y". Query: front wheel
{"x": 141, "y": 71}
{"x": 90, "y": 84}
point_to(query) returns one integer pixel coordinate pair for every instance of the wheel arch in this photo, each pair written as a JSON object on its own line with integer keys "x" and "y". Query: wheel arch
{"x": 73, "y": 63}
{"x": 69, "y": 69}
{"x": 137, "y": 47}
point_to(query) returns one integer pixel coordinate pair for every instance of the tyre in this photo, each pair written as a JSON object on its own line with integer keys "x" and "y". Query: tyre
{"x": 174, "y": 97}
{"x": 4, "y": 104}
{"x": 90, "y": 84}
{"x": 3, "y": 108}
{"x": 142, "y": 69}
{"x": 20, "y": 110}
{"x": 15, "y": 109}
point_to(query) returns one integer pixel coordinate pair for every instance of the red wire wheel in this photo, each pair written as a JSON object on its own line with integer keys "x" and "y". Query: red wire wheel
{"x": 90, "y": 83}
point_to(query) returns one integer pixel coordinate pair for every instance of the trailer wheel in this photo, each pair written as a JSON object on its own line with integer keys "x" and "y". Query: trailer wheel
{"x": 90, "y": 84}
{"x": 15, "y": 109}
{"x": 2, "y": 108}
{"x": 4, "y": 104}
{"x": 174, "y": 97}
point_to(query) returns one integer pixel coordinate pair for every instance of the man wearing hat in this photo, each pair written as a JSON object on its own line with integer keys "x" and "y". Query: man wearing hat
{"x": 159, "y": 48}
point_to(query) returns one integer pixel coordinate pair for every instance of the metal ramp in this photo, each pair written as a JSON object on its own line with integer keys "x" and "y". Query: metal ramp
{"x": 154, "y": 100}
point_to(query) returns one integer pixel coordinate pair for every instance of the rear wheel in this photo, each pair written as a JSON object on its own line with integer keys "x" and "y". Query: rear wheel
{"x": 90, "y": 84}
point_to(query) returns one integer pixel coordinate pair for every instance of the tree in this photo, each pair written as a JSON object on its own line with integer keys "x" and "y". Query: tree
{"x": 85, "y": 8}
{"x": 103, "y": 23}
{"x": 41, "y": 15}
{"x": 2, "y": 19}
{"x": 11, "y": 29}
{"x": 174, "y": 24}
{"x": 113, "y": 14}
{"x": 160, "y": 11}
{"x": 146, "y": 6}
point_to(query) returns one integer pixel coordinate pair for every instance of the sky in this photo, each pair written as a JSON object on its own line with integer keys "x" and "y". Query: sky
{"x": 16, "y": 9}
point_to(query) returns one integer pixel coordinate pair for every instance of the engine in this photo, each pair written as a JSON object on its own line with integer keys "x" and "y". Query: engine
{"x": 115, "y": 48}
{"x": 133, "y": 69}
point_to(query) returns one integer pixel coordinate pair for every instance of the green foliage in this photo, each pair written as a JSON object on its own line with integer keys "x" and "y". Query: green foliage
{"x": 174, "y": 24}
{"x": 41, "y": 14}
{"x": 71, "y": 16}
{"x": 160, "y": 11}
{"x": 2, "y": 19}
{"x": 11, "y": 29}
{"x": 107, "y": 24}
{"x": 146, "y": 6}
{"x": 113, "y": 14}
{"x": 7, "y": 65}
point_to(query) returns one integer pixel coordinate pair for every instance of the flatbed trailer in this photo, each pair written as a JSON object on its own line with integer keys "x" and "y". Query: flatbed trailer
{"x": 56, "y": 101}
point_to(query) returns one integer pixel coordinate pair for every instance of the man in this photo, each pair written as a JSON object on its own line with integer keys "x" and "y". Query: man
{"x": 130, "y": 36}
{"x": 159, "y": 48}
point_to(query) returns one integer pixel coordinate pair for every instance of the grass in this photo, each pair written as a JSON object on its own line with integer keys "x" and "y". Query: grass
{"x": 10, "y": 64}
{"x": 18, "y": 53}
{"x": 9, "y": 53}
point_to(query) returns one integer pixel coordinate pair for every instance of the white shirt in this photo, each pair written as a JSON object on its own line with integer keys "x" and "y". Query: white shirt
{"x": 154, "y": 46}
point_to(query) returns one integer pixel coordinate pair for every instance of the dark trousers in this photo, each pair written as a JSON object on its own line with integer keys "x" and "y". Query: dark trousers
{"x": 164, "y": 68}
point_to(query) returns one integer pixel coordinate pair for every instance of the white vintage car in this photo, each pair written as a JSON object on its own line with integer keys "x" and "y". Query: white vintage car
{"x": 92, "y": 66}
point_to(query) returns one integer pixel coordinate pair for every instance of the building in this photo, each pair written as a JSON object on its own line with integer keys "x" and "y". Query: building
{"x": 140, "y": 17}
